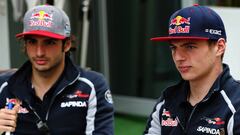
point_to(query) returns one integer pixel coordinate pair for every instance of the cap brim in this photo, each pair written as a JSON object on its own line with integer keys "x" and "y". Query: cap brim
{"x": 176, "y": 38}
{"x": 41, "y": 33}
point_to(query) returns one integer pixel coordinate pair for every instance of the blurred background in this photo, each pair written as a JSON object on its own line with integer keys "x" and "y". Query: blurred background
{"x": 113, "y": 37}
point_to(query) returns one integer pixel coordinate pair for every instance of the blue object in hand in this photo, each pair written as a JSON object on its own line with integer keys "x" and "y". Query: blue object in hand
{"x": 10, "y": 105}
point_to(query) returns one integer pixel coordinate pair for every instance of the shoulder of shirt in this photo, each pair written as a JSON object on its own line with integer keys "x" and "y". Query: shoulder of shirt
{"x": 6, "y": 74}
{"x": 174, "y": 89}
{"x": 93, "y": 76}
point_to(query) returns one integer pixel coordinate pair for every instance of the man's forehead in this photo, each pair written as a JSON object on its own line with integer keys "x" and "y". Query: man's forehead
{"x": 184, "y": 41}
{"x": 38, "y": 37}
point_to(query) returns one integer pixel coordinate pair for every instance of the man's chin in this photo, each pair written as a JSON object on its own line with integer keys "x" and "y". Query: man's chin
{"x": 186, "y": 77}
{"x": 41, "y": 68}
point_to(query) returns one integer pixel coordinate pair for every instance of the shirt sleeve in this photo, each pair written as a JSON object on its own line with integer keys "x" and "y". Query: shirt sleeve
{"x": 105, "y": 112}
{"x": 234, "y": 124}
{"x": 153, "y": 125}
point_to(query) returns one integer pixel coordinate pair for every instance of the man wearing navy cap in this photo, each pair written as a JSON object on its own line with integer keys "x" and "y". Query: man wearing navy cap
{"x": 49, "y": 93}
{"x": 207, "y": 99}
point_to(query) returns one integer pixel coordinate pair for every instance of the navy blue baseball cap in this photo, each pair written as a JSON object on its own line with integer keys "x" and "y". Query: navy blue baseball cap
{"x": 195, "y": 22}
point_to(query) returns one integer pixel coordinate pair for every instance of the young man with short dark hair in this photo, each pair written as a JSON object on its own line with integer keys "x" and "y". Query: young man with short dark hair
{"x": 49, "y": 93}
{"x": 205, "y": 101}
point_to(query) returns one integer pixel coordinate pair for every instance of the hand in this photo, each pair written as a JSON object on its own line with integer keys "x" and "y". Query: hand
{"x": 8, "y": 118}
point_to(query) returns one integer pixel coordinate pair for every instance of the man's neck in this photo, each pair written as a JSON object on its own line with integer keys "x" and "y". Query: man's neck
{"x": 200, "y": 88}
{"x": 43, "y": 81}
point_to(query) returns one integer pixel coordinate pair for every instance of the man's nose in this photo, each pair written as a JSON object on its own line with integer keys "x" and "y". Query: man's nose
{"x": 40, "y": 50}
{"x": 179, "y": 55}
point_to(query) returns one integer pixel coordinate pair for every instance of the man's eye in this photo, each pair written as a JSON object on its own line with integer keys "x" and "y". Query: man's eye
{"x": 51, "y": 42}
{"x": 190, "y": 47}
{"x": 172, "y": 48}
{"x": 30, "y": 41}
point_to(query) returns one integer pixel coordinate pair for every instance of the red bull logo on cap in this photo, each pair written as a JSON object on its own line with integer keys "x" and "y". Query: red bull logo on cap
{"x": 180, "y": 20}
{"x": 41, "y": 18}
{"x": 177, "y": 22}
{"x": 41, "y": 15}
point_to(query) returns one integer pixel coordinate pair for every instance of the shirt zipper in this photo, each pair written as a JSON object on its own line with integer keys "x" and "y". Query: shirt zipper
{"x": 189, "y": 119}
{"x": 52, "y": 100}
{"x": 194, "y": 108}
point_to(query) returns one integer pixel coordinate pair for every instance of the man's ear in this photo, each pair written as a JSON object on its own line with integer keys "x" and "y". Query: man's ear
{"x": 67, "y": 45}
{"x": 221, "y": 46}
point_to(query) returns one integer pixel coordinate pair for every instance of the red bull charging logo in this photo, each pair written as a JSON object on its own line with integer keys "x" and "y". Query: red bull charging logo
{"x": 177, "y": 22}
{"x": 168, "y": 120}
{"x": 41, "y": 18}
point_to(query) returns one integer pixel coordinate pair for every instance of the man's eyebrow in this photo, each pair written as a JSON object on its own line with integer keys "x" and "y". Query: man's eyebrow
{"x": 28, "y": 38}
{"x": 171, "y": 45}
{"x": 188, "y": 43}
{"x": 50, "y": 39}
{"x": 182, "y": 45}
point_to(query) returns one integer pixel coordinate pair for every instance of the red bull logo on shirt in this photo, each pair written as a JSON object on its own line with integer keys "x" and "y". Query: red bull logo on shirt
{"x": 177, "y": 23}
{"x": 79, "y": 94}
{"x": 41, "y": 18}
{"x": 15, "y": 101}
{"x": 11, "y": 100}
{"x": 167, "y": 119}
{"x": 166, "y": 113}
{"x": 214, "y": 121}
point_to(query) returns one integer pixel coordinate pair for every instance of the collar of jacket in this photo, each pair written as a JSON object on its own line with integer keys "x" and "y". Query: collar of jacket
{"x": 221, "y": 80}
{"x": 179, "y": 92}
{"x": 18, "y": 82}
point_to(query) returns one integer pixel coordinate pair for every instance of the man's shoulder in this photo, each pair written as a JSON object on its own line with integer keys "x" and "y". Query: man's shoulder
{"x": 6, "y": 74}
{"x": 93, "y": 76}
{"x": 176, "y": 89}
{"x": 230, "y": 84}
{"x": 172, "y": 93}
{"x": 89, "y": 73}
